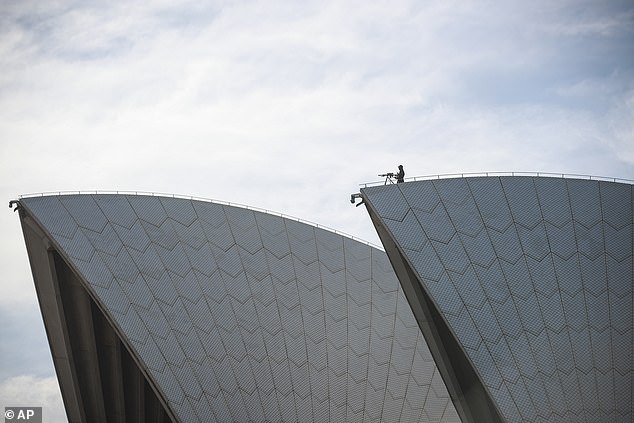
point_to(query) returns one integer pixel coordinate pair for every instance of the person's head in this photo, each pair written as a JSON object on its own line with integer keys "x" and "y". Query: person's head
{"x": 400, "y": 167}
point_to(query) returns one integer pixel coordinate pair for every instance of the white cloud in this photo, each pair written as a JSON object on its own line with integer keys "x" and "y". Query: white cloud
{"x": 289, "y": 105}
{"x": 30, "y": 391}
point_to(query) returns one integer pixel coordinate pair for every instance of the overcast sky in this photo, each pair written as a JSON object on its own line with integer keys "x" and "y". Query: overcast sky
{"x": 288, "y": 106}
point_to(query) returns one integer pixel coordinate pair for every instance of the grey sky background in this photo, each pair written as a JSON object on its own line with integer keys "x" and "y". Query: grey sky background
{"x": 288, "y": 106}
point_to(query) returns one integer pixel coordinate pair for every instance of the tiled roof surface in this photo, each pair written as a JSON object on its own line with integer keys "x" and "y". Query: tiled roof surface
{"x": 239, "y": 315}
{"x": 534, "y": 278}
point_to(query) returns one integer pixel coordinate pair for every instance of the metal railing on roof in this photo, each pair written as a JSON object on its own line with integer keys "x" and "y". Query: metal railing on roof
{"x": 207, "y": 200}
{"x": 483, "y": 174}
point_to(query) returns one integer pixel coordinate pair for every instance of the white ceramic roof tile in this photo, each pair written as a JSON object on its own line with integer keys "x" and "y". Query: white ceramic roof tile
{"x": 180, "y": 211}
{"x": 78, "y": 247}
{"x": 153, "y": 356}
{"x": 113, "y": 297}
{"x": 148, "y": 262}
{"x": 186, "y": 286}
{"x": 373, "y": 401}
{"x": 246, "y": 314}
{"x": 271, "y": 328}
{"x": 491, "y": 202}
{"x": 553, "y": 201}
{"x": 623, "y": 394}
{"x": 117, "y": 209}
{"x": 616, "y": 200}
{"x": 229, "y": 261}
{"x": 492, "y": 280}
{"x": 585, "y": 201}
{"x": 588, "y": 387}
{"x": 401, "y": 361}
{"x": 358, "y": 259}
{"x": 390, "y": 203}
{"x": 169, "y": 385}
{"x": 622, "y": 307}
{"x": 561, "y": 239}
{"x": 186, "y": 410}
{"x": 162, "y": 288}
{"x": 138, "y": 292}
{"x": 479, "y": 248}
{"x": 85, "y": 211}
{"x": 506, "y": 244}
{"x": 148, "y": 208}
{"x": 581, "y": 344}
{"x": 220, "y": 236}
{"x": 105, "y": 241}
{"x": 333, "y": 284}
{"x": 446, "y": 295}
{"x": 96, "y": 271}
{"x": 471, "y": 293}
{"x": 427, "y": 263}
{"x": 301, "y": 238}
{"x": 192, "y": 235}
{"x": 163, "y": 235}
{"x": 192, "y": 347}
{"x": 563, "y": 314}
{"x": 359, "y": 315}
{"x": 236, "y": 404}
{"x": 358, "y": 342}
{"x": 590, "y": 240}
{"x": 212, "y": 343}
{"x": 175, "y": 260}
{"x": 121, "y": 266}
{"x": 508, "y": 318}
{"x": 358, "y": 369}
{"x": 618, "y": 245}
{"x": 521, "y": 350}
{"x": 245, "y": 230}
{"x": 330, "y": 250}
{"x": 534, "y": 241}
{"x": 409, "y": 231}
{"x": 176, "y": 315}
{"x": 452, "y": 254}
{"x": 490, "y": 328}
{"x": 307, "y": 274}
{"x": 154, "y": 320}
{"x": 270, "y": 406}
{"x": 312, "y": 302}
{"x": 522, "y": 200}
{"x": 237, "y": 286}
{"x": 337, "y": 359}
{"x": 568, "y": 274}
{"x": 187, "y": 380}
{"x": 437, "y": 225}
{"x": 212, "y": 286}
{"x": 132, "y": 325}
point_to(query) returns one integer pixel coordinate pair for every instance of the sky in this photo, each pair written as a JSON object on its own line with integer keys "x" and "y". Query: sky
{"x": 289, "y": 106}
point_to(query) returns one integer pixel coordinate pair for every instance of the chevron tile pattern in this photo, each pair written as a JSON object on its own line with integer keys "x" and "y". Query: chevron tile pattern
{"x": 242, "y": 316}
{"x": 534, "y": 277}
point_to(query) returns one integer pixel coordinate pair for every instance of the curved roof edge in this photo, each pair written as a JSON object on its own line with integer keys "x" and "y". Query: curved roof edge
{"x": 204, "y": 199}
{"x": 508, "y": 173}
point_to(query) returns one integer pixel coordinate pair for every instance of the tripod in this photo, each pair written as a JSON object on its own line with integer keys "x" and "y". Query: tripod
{"x": 388, "y": 177}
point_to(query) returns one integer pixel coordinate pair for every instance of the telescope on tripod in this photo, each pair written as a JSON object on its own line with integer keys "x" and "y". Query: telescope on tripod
{"x": 388, "y": 177}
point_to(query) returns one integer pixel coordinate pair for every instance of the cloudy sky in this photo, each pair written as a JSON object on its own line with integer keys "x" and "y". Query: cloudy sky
{"x": 288, "y": 106}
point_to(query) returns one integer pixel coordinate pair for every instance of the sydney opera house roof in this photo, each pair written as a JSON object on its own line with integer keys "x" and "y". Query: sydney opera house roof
{"x": 497, "y": 299}
{"x": 522, "y": 287}
{"x": 171, "y": 309}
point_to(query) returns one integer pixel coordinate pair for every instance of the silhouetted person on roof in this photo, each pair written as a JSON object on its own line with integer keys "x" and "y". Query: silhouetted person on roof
{"x": 400, "y": 175}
